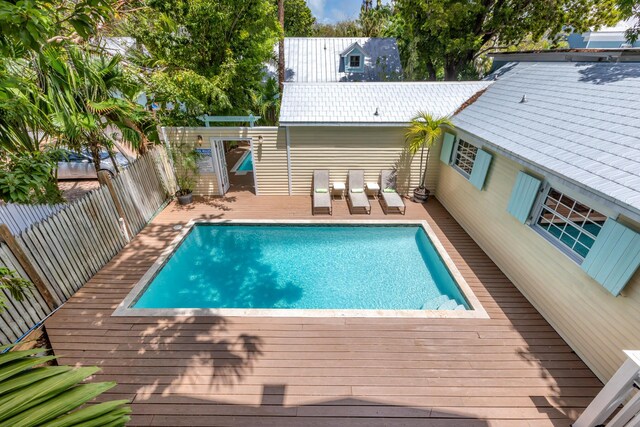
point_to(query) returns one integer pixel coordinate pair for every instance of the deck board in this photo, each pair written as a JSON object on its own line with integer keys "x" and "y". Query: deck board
{"x": 512, "y": 369}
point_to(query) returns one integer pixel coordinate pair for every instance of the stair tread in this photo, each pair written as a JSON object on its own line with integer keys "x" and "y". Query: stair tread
{"x": 434, "y": 303}
{"x": 448, "y": 305}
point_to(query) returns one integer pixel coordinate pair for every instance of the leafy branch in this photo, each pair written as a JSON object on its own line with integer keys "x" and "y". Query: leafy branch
{"x": 14, "y": 284}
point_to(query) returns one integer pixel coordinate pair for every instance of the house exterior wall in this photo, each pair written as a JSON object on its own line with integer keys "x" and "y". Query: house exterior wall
{"x": 342, "y": 148}
{"x": 597, "y": 325}
{"x": 270, "y": 155}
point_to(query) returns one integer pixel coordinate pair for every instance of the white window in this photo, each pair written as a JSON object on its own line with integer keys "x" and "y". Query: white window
{"x": 354, "y": 61}
{"x": 570, "y": 224}
{"x": 465, "y": 157}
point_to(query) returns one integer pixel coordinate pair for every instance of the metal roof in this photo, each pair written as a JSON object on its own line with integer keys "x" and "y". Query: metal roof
{"x": 318, "y": 59}
{"x": 353, "y": 104}
{"x": 580, "y": 121}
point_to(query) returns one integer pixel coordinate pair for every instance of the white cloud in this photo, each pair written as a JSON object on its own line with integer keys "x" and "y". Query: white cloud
{"x": 317, "y": 8}
{"x": 337, "y": 15}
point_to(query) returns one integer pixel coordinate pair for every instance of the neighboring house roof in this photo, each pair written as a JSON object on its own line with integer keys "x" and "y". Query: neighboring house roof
{"x": 580, "y": 121}
{"x": 117, "y": 45}
{"x": 567, "y": 55}
{"x": 320, "y": 59}
{"x": 605, "y": 37}
{"x": 353, "y": 104}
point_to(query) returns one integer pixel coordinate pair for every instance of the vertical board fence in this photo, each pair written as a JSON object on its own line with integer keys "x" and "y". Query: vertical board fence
{"x": 19, "y": 217}
{"x": 71, "y": 245}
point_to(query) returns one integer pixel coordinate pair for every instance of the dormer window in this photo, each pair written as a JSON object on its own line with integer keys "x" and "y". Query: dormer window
{"x": 352, "y": 59}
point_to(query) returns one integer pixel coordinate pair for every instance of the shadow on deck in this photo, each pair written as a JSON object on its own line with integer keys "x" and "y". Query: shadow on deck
{"x": 511, "y": 369}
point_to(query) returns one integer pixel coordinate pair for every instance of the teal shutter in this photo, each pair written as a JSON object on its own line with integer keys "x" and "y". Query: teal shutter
{"x": 523, "y": 196}
{"x": 447, "y": 147}
{"x": 480, "y": 169}
{"x": 614, "y": 256}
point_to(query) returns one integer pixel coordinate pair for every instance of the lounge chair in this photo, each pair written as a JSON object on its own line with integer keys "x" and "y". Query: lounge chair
{"x": 357, "y": 197}
{"x": 390, "y": 200}
{"x": 321, "y": 193}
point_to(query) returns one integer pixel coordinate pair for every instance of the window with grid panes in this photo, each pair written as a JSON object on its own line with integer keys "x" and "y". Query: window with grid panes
{"x": 570, "y": 224}
{"x": 465, "y": 157}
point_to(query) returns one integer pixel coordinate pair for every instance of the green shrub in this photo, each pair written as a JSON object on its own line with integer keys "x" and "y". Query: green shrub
{"x": 29, "y": 178}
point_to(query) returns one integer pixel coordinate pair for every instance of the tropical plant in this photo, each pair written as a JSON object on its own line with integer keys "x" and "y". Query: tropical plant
{"x": 185, "y": 163}
{"x": 29, "y": 177}
{"x": 374, "y": 20}
{"x": 33, "y": 394}
{"x": 55, "y": 88}
{"x": 266, "y": 101}
{"x": 11, "y": 282}
{"x": 88, "y": 95}
{"x": 28, "y": 31}
{"x": 423, "y": 133}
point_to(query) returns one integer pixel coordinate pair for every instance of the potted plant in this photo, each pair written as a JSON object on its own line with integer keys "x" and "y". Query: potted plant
{"x": 424, "y": 131}
{"x": 185, "y": 162}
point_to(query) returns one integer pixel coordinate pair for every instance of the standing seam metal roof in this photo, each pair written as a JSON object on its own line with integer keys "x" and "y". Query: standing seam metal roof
{"x": 317, "y": 59}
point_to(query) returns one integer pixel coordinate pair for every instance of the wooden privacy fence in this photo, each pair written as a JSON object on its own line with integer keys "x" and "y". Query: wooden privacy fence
{"x": 19, "y": 217}
{"x": 62, "y": 252}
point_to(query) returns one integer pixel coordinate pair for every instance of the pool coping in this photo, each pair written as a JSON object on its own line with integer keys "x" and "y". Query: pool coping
{"x": 235, "y": 167}
{"x": 477, "y": 311}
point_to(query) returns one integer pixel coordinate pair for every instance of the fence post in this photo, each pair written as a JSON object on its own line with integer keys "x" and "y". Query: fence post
{"x": 614, "y": 393}
{"x": 29, "y": 269}
{"x": 105, "y": 179}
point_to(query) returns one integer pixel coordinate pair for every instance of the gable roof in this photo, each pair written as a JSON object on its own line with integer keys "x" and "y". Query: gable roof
{"x": 319, "y": 59}
{"x": 353, "y": 47}
{"x": 354, "y": 104}
{"x": 581, "y": 122}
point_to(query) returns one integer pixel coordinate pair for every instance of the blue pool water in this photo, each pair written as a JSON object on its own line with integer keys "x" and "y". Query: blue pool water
{"x": 307, "y": 267}
{"x": 246, "y": 165}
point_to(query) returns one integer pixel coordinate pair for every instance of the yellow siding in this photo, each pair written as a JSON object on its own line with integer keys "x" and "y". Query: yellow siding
{"x": 270, "y": 156}
{"x": 597, "y": 325}
{"x": 342, "y": 148}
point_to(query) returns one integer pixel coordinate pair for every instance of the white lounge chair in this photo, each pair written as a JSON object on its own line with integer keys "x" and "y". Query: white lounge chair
{"x": 321, "y": 193}
{"x": 390, "y": 200}
{"x": 357, "y": 197}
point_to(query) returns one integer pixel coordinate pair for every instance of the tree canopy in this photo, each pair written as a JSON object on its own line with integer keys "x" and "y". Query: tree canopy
{"x": 207, "y": 57}
{"x": 449, "y": 34}
{"x": 57, "y": 88}
{"x": 631, "y": 9}
{"x": 298, "y": 19}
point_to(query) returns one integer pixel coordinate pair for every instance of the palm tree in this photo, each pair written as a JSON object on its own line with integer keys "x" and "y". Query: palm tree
{"x": 281, "y": 73}
{"x": 266, "y": 99}
{"x": 89, "y": 94}
{"x": 424, "y": 132}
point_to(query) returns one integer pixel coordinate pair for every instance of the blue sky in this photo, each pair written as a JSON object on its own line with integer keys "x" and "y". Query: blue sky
{"x": 331, "y": 11}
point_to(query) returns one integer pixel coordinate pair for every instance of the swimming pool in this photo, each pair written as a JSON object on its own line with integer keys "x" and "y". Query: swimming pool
{"x": 244, "y": 164}
{"x": 302, "y": 268}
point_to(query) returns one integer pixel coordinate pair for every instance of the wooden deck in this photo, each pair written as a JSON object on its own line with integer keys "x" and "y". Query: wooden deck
{"x": 510, "y": 370}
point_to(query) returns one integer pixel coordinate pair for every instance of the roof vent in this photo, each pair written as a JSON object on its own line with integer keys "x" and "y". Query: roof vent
{"x": 376, "y": 113}
{"x": 524, "y": 99}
